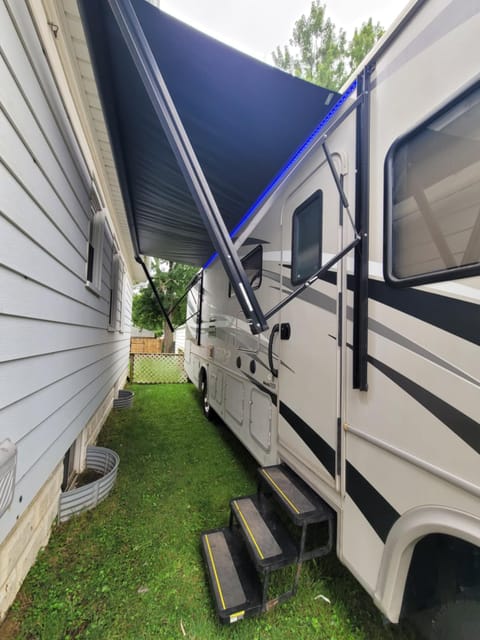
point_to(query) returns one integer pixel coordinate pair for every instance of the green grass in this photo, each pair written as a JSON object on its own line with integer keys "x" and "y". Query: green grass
{"x": 132, "y": 569}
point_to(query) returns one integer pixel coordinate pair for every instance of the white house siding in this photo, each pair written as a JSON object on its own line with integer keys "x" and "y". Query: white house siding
{"x": 60, "y": 358}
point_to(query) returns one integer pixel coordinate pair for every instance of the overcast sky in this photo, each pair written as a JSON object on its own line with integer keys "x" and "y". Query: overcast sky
{"x": 258, "y": 26}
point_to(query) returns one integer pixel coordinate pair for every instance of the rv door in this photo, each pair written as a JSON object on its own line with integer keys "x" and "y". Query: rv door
{"x": 309, "y": 336}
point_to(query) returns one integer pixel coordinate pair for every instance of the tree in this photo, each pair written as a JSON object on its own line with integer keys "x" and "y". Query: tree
{"x": 362, "y": 42}
{"x": 320, "y": 53}
{"x": 171, "y": 280}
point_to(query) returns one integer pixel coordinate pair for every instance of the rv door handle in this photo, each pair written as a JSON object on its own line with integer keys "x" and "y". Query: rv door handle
{"x": 273, "y": 369}
{"x": 285, "y": 331}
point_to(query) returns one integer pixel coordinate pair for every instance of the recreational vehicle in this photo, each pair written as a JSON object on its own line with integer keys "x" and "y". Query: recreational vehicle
{"x": 364, "y": 257}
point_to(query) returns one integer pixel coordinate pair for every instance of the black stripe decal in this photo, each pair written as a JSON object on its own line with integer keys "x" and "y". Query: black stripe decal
{"x": 458, "y": 317}
{"x": 260, "y": 386}
{"x": 321, "y": 449}
{"x": 378, "y": 511}
{"x": 455, "y": 316}
{"x": 463, "y": 426}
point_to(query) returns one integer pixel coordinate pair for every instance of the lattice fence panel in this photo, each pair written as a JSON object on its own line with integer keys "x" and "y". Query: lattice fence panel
{"x": 158, "y": 368}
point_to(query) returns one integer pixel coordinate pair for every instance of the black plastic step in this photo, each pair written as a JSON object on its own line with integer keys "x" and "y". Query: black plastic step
{"x": 269, "y": 543}
{"x": 233, "y": 579}
{"x": 302, "y": 504}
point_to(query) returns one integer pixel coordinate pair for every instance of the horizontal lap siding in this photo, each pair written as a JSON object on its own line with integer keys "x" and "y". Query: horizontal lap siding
{"x": 58, "y": 358}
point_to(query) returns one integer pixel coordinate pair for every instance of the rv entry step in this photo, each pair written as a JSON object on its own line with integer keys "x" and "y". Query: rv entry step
{"x": 282, "y": 525}
{"x": 268, "y": 542}
{"x": 294, "y": 496}
{"x": 233, "y": 580}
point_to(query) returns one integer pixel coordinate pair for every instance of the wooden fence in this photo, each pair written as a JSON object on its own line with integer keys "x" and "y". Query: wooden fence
{"x": 157, "y": 368}
{"x": 146, "y": 345}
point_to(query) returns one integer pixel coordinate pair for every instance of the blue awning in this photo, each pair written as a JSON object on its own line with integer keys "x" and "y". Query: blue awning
{"x": 245, "y": 121}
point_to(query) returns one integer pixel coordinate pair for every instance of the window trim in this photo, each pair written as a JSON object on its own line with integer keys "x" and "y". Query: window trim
{"x": 258, "y": 248}
{"x": 96, "y": 233}
{"x": 123, "y": 293}
{"x": 316, "y": 195}
{"x": 455, "y": 273}
{"x": 115, "y": 280}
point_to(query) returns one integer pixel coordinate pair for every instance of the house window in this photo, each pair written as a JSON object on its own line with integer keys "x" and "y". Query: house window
{"x": 307, "y": 238}
{"x": 95, "y": 252}
{"x": 432, "y": 198}
{"x": 252, "y": 264}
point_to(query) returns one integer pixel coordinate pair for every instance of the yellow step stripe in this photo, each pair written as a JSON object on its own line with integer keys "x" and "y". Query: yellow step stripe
{"x": 284, "y": 496}
{"x": 237, "y": 616}
{"x": 215, "y": 572}
{"x": 262, "y": 557}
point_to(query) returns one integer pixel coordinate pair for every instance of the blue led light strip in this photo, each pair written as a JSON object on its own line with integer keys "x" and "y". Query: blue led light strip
{"x": 263, "y": 196}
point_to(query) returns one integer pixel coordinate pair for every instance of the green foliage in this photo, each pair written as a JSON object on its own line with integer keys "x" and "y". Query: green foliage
{"x": 363, "y": 41}
{"x": 131, "y": 569}
{"x": 171, "y": 280}
{"x": 320, "y": 53}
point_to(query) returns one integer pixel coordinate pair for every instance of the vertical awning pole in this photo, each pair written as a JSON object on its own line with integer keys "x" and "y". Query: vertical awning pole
{"x": 362, "y": 205}
{"x": 167, "y": 114}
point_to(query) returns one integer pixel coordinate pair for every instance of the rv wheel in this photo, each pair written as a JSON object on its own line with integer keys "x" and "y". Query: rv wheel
{"x": 207, "y": 409}
{"x": 458, "y": 620}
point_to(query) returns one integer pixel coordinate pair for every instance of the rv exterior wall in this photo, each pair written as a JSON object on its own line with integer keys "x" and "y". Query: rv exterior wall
{"x": 64, "y": 349}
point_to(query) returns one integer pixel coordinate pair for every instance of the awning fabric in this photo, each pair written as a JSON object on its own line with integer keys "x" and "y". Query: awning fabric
{"x": 244, "y": 118}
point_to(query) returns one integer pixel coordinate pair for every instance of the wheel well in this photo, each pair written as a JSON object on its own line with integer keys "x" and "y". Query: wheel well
{"x": 202, "y": 376}
{"x": 443, "y": 569}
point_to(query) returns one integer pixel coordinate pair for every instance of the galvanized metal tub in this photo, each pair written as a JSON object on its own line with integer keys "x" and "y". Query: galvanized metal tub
{"x": 102, "y": 460}
{"x": 124, "y": 400}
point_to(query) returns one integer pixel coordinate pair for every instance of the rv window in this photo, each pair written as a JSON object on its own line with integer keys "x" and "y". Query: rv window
{"x": 307, "y": 238}
{"x": 252, "y": 263}
{"x": 433, "y": 197}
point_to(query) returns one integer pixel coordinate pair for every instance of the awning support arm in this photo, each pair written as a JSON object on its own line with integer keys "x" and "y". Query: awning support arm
{"x": 336, "y": 177}
{"x": 167, "y": 114}
{"x": 339, "y": 185}
{"x": 318, "y": 274}
{"x": 155, "y": 293}
{"x": 191, "y": 284}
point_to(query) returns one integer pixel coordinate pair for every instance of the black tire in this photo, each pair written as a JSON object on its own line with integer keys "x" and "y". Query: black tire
{"x": 458, "y": 620}
{"x": 206, "y": 408}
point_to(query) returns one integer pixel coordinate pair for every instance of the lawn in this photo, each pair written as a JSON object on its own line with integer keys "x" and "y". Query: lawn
{"x": 131, "y": 569}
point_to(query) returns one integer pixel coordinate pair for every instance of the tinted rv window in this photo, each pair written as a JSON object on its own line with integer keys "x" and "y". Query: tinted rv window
{"x": 433, "y": 197}
{"x": 307, "y": 238}
{"x": 252, "y": 263}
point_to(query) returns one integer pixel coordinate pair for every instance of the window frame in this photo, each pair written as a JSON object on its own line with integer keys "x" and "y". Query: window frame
{"x": 441, "y": 275}
{"x": 316, "y": 195}
{"x": 96, "y": 233}
{"x": 122, "y": 293}
{"x": 257, "y": 249}
{"x": 116, "y": 279}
